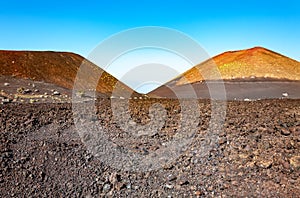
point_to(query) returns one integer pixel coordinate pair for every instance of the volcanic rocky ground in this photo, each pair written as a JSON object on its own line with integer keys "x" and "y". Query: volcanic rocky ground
{"x": 256, "y": 153}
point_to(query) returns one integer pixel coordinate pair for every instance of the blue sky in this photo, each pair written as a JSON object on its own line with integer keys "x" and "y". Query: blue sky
{"x": 218, "y": 26}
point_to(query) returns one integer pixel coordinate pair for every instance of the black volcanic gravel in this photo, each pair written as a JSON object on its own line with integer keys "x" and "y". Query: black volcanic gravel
{"x": 257, "y": 153}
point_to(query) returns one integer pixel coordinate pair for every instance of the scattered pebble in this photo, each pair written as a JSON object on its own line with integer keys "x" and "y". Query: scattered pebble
{"x": 285, "y": 131}
{"x": 106, "y": 187}
{"x": 286, "y": 165}
{"x": 264, "y": 163}
{"x": 198, "y": 193}
{"x": 27, "y": 91}
{"x": 56, "y": 93}
{"x": 169, "y": 186}
{"x": 6, "y": 100}
{"x": 295, "y": 161}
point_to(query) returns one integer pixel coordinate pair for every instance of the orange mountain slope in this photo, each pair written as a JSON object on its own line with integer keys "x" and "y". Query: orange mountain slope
{"x": 59, "y": 68}
{"x": 255, "y": 62}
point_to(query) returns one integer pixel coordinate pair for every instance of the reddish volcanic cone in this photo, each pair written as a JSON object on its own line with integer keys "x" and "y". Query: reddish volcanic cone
{"x": 254, "y": 73}
{"x": 59, "y": 68}
{"x": 255, "y": 62}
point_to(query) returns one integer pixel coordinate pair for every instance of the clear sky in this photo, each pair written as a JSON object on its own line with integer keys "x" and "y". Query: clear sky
{"x": 79, "y": 26}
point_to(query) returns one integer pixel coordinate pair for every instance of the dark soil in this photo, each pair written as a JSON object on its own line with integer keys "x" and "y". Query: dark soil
{"x": 257, "y": 153}
{"x": 237, "y": 89}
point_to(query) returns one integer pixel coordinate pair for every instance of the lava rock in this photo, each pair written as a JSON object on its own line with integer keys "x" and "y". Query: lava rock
{"x": 295, "y": 161}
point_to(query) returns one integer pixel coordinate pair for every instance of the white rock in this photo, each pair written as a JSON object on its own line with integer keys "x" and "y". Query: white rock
{"x": 169, "y": 186}
{"x": 6, "y": 84}
{"x": 56, "y": 93}
{"x": 6, "y": 100}
{"x": 132, "y": 123}
{"x": 247, "y": 99}
{"x": 285, "y": 94}
{"x": 27, "y": 91}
